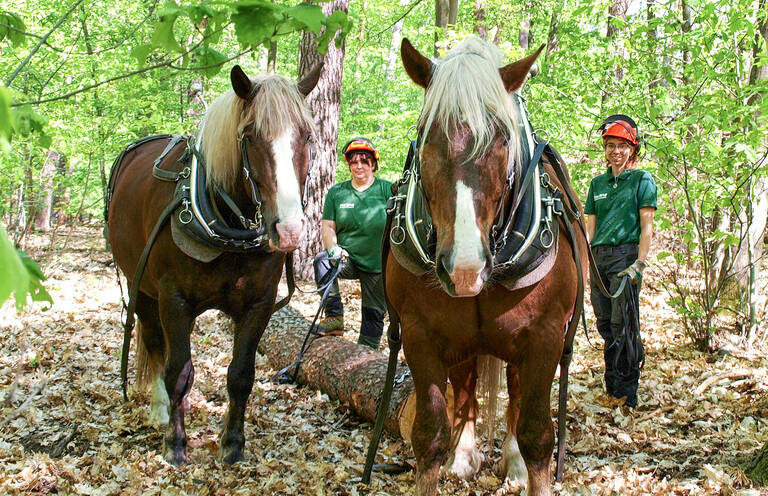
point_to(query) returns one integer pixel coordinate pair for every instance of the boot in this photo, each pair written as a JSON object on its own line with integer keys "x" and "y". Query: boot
{"x": 333, "y": 325}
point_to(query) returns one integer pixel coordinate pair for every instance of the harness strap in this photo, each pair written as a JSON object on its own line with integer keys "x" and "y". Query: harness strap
{"x": 134, "y": 292}
{"x": 395, "y": 343}
{"x": 163, "y": 174}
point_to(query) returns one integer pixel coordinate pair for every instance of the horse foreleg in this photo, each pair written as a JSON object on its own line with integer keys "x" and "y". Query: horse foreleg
{"x": 240, "y": 378}
{"x": 177, "y": 318}
{"x": 431, "y": 431}
{"x": 512, "y": 463}
{"x": 466, "y": 458}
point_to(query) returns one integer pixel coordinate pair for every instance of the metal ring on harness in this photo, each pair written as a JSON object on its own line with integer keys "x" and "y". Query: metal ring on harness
{"x": 397, "y": 235}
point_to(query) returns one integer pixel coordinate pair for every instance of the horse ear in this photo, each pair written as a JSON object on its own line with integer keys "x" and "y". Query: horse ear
{"x": 241, "y": 83}
{"x": 310, "y": 80}
{"x": 514, "y": 74}
{"x": 418, "y": 67}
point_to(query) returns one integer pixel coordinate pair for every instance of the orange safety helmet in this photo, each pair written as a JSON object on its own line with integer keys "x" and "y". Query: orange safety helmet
{"x": 360, "y": 144}
{"x": 622, "y": 126}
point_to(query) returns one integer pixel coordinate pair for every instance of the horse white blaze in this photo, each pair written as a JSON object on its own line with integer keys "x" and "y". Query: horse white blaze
{"x": 290, "y": 216}
{"x": 468, "y": 259}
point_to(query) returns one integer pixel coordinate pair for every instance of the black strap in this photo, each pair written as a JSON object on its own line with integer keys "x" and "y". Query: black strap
{"x": 395, "y": 343}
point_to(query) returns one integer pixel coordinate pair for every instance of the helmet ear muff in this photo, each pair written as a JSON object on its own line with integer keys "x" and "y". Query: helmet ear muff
{"x": 632, "y": 129}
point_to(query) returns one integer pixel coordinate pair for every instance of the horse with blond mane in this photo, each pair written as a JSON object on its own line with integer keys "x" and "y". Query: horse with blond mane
{"x": 452, "y": 302}
{"x": 248, "y": 163}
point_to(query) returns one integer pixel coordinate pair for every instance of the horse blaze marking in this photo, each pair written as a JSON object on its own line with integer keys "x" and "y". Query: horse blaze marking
{"x": 288, "y": 197}
{"x": 467, "y": 244}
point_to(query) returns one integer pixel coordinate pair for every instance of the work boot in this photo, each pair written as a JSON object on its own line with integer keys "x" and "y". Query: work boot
{"x": 333, "y": 325}
{"x": 369, "y": 341}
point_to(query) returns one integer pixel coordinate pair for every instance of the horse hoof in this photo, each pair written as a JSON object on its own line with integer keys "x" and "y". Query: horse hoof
{"x": 176, "y": 458}
{"x": 231, "y": 455}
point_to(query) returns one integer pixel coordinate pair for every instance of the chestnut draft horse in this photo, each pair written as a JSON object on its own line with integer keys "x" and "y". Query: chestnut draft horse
{"x": 254, "y": 142}
{"x": 469, "y": 136}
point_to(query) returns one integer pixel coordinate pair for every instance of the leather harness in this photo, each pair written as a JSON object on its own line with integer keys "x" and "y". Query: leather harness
{"x": 519, "y": 244}
{"x": 195, "y": 211}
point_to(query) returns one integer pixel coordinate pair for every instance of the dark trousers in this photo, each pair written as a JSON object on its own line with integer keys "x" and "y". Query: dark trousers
{"x": 371, "y": 288}
{"x": 621, "y": 377}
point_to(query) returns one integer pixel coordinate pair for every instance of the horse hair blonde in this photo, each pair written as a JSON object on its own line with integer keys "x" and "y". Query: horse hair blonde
{"x": 466, "y": 88}
{"x": 277, "y": 106}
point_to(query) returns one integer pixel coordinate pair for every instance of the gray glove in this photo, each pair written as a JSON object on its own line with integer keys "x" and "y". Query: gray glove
{"x": 634, "y": 271}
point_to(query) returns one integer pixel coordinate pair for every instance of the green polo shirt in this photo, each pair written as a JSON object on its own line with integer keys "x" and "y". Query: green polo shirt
{"x": 616, "y": 202}
{"x": 360, "y": 218}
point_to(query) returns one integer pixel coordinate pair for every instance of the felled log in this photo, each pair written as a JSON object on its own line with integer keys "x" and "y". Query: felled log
{"x": 351, "y": 373}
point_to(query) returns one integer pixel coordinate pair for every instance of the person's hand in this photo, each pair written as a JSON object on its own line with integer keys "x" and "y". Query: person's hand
{"x": 634, "y": 271}
{"x": 335, "y": 252}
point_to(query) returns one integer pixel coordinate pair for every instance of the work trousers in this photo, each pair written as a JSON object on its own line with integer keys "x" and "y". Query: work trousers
{"x": 373, "y": 306}
{"x": 621, "y": 375}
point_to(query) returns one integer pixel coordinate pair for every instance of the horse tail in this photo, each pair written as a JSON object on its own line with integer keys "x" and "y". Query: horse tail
{"x": 144, "y": 369}
{"x": 490, "y": 379}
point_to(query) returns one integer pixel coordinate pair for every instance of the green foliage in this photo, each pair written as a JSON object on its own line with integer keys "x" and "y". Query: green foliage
{"x": 12, "y": 28}
{"x": 19, "y": 275}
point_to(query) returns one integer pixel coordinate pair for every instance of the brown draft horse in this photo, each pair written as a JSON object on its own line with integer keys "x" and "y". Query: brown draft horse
{"x": 269, "y": 114}
{"x": 451, "y": 316}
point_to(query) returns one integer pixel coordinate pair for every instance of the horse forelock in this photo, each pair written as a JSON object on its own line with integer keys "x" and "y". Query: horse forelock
{"x": 277, "y": 106}
{"x": 466, "y": 89}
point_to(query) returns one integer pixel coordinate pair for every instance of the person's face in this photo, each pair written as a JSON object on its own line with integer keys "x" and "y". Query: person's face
{"x": 361, "y": 167}
{"x": 618, "y": 151}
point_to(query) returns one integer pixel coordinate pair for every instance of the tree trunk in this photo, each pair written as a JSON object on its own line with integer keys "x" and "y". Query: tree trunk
{"x": 481, "y": 29}
{"x": 650, "y": 15}
{"x": 351, "y": 373}
{"x": 271, "y": 57}
{"x": 45, "y": 197}
{"x": 617, "y": 9}
{"x": 324, "y": 101}
{"x": 525, "y": 38}
{"x": 361, "y": 38}
{"x": 394, "y": 49}
{"x": 552, "y": 37}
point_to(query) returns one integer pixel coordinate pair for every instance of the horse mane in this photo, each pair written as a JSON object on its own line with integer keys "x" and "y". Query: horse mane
{"x": 276, "y": 106}
{"x": 466, "y": 88}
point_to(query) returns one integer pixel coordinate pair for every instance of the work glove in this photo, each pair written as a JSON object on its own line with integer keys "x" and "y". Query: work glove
{"x": 335, "y": 252}
{"x": 634, "y": 271}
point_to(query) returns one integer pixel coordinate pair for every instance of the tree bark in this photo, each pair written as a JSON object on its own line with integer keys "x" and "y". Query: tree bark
{"x": 446, "y": 12}
{"x": 351, "y": 373}
{"x": 481, "y": 29}
{"x": 271, "y": 57}
{"x": 361, "y": 38}
{"x": 617, "y": 9}
{"x": 45, "y": 197}
{"x": 325, "y": 102}
{"x": 552, "y": 37}
{"x": 394, "y": 49}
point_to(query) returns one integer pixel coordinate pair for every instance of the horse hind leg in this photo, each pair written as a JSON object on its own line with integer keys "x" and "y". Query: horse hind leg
{"x": 466, "y": 458}
{"x": 512, "y": 463}
{"x": 150, "y": 359}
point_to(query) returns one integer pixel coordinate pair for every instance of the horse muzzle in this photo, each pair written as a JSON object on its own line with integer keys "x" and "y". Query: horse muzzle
{"x": 463, "y": 280}
{"x": 285, "y": 236}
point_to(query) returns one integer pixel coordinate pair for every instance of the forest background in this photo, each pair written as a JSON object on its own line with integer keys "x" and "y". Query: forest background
{"x": 80, "y": 81}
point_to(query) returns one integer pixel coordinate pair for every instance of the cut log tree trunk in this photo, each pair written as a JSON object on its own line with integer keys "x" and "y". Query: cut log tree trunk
{"x": 351, "y": 373}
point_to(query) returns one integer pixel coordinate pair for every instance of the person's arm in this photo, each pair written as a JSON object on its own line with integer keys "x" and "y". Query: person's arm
{"x": 646, "y": 232}
{"x": 590, "y": 222}
{"x": 328, "y": 233}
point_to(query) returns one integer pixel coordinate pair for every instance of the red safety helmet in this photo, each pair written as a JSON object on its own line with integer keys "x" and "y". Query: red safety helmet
{"x": 360, "y": 144}
{"x": 622, "y": 126}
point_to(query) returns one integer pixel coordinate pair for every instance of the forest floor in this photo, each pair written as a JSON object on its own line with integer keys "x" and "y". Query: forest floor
{"x": 65, "y": 429}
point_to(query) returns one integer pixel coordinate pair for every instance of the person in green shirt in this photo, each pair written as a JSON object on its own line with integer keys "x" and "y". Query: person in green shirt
{"x": 351, "y": 228}
{"x": 619, "y": 217}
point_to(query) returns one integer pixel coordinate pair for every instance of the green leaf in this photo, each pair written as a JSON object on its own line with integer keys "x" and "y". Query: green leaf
{"x": 254, "y": 25}
{"x": 20, "y": 275}
{"x": 163, "y": 36}
{"x": 6, "y": 117}
{"x": 210, "y": 59}
{"x": 12, "y": 28}
{"x": 140, "y": 53}
{"x": 311, "y": 16}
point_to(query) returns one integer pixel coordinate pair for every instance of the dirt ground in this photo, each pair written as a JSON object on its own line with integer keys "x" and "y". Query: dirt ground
{"x": 65, "y": 429}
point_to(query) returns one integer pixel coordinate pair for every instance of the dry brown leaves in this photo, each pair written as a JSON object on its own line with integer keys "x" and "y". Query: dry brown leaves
{"x": 65, "y": 428}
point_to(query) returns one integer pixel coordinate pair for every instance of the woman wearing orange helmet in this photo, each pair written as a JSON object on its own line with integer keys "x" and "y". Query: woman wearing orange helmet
{"x": 352, "y": 226}
{"x": 619, "y": 216}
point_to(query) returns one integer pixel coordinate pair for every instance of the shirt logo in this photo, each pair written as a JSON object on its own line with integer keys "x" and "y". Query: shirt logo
{"x": 601, "y": 196}
{"x": 347, "y": 205}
